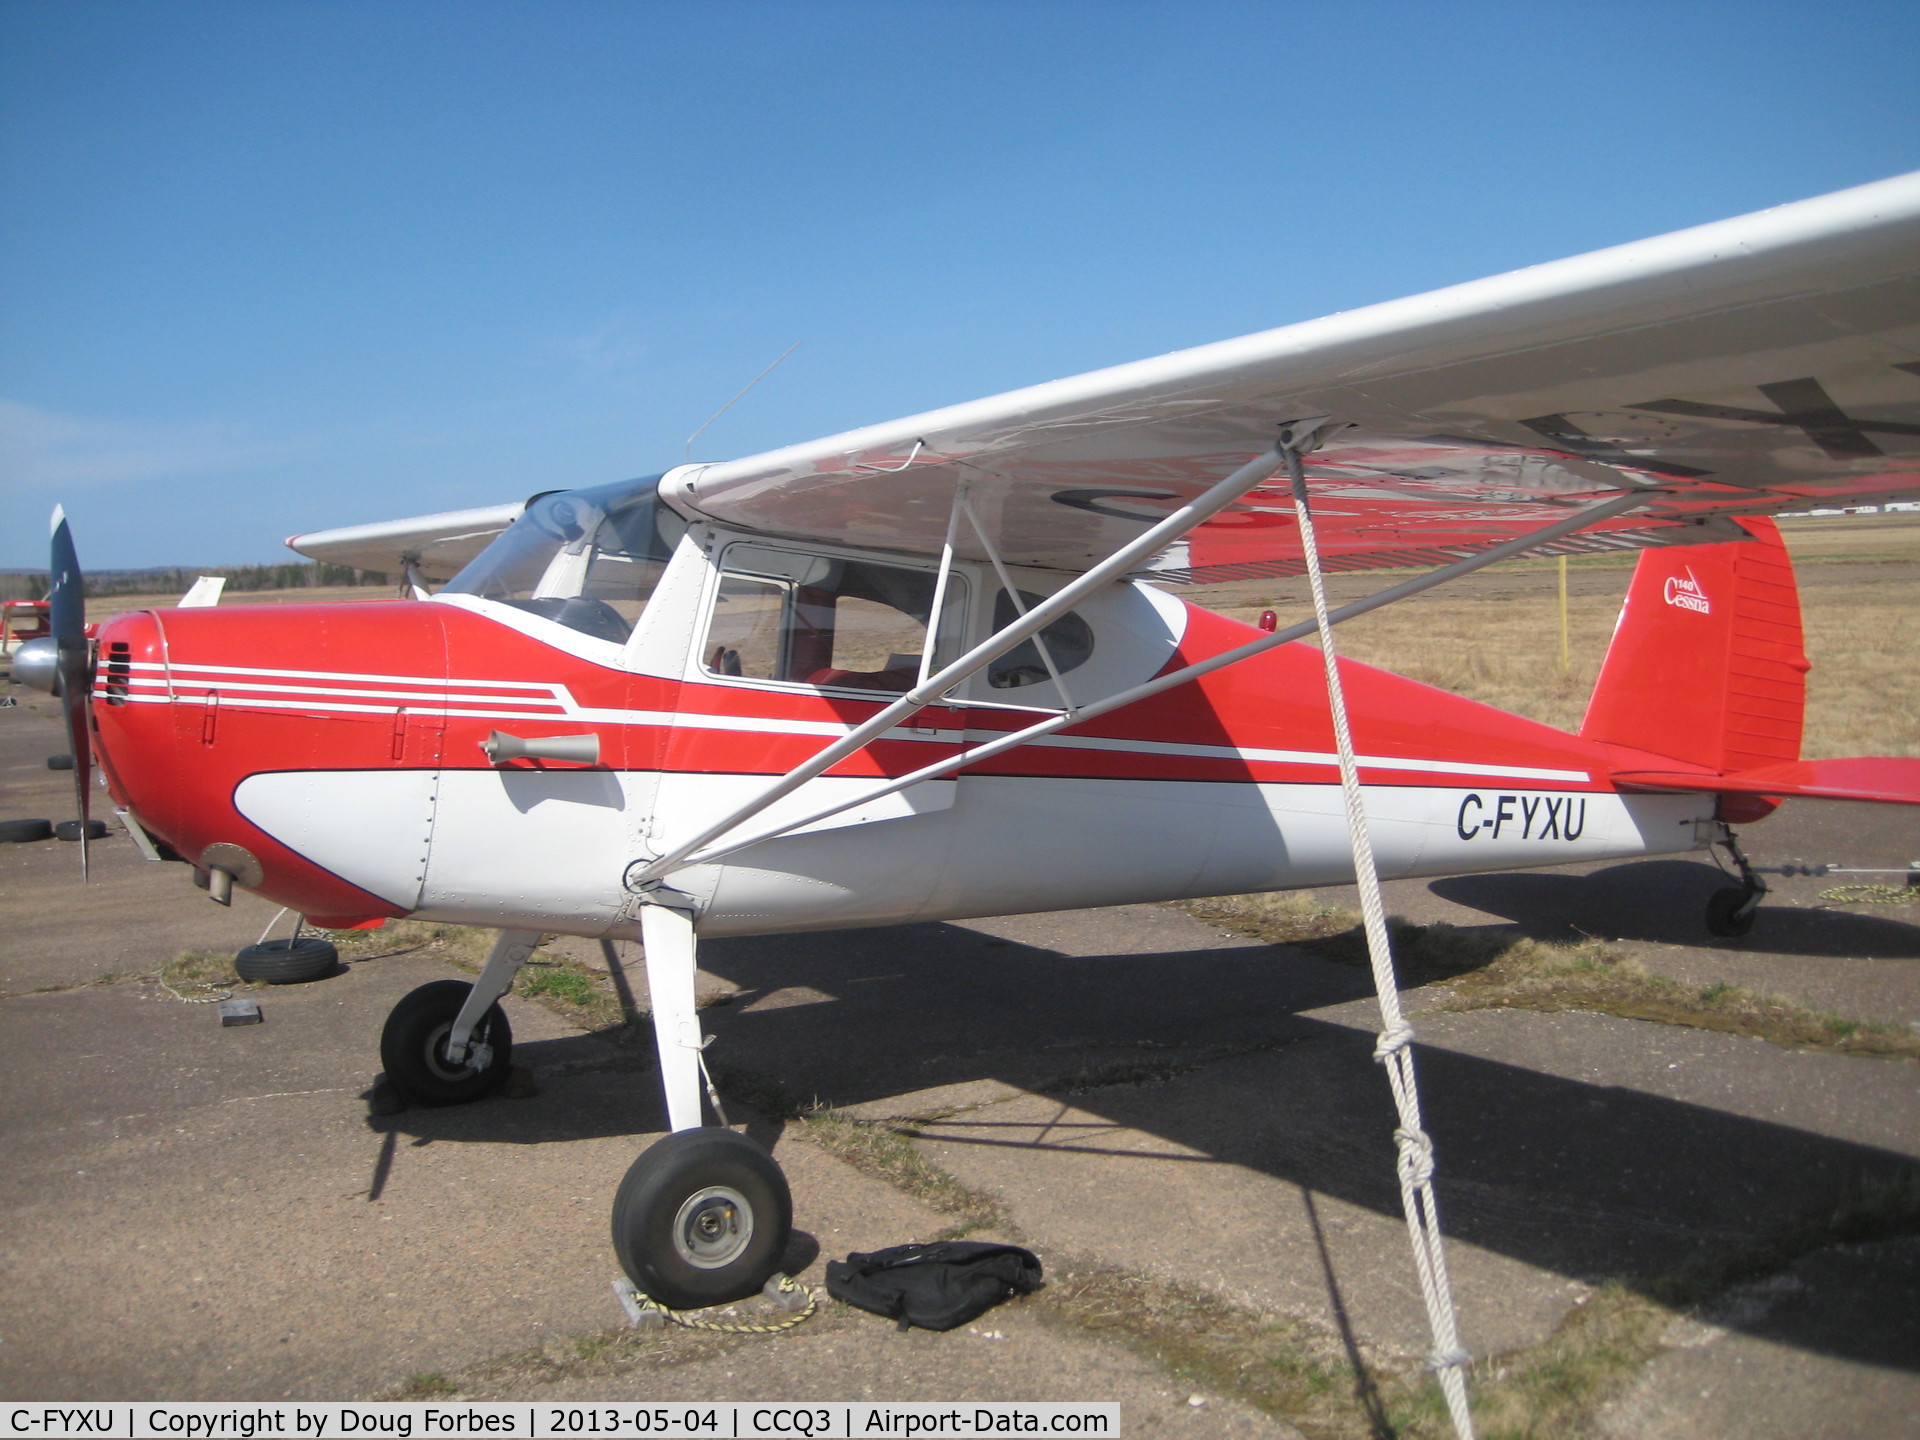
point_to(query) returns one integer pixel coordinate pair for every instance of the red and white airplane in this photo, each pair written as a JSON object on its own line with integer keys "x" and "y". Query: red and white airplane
{"x": 937, "y": 668}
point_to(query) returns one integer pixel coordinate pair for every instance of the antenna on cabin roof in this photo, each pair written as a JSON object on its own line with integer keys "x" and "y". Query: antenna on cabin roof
{"x": 687, "y": 452}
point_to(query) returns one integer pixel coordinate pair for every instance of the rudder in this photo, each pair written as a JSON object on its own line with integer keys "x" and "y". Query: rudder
{"x": 1707, "y": 663}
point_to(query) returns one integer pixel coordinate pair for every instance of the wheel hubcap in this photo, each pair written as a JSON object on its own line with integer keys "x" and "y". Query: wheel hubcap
{"x": 713, "y": 1228}
{"x": 437, "y": 1060}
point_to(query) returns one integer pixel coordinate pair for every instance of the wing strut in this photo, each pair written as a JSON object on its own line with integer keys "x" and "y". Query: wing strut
{"x": 1394, "y": 1048}
{"x": 1506, "y": 550}
{"x": 642, "y": 877}
{"x": 1013, "y": 592}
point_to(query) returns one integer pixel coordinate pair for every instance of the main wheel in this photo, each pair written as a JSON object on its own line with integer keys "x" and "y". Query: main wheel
{"x": 413, "y": 1047}
{"x": 702, "y": 1218}
{"x": 24, "y": 832}
{"x": 288, "y": 962}
{"x": 1723, "y": 917}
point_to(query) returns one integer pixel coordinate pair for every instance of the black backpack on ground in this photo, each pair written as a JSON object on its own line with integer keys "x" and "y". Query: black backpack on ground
{"x": 934, "y": 1286}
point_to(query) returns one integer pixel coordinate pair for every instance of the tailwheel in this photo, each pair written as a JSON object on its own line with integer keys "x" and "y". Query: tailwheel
{"x": 413, "y": 1047}
{"x": 1730, "y": 912}
{"x": 702, "y": 1219}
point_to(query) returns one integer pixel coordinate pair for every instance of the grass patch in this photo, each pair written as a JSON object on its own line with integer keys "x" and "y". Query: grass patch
{"x": 1556, "y": 1389}
{"x": 1535, "y": 975}
{"x": 197, "y": 973}
{"x": 885, "y": 1150}
{"x": 1493, "y": 969}
{"x": 1550, "y": 1391}
{"x": 608, "y": 1354}
{"x": 201, "y": 970}
{"x": 1283, "y": 917}
{"x": 1281, "y": 1366}
{"x": 585, "y": 996}
{"x": 564, "y": 985}
{"x": 1874, "y": 1208}
{"x": 1421, "y": 953}
{"x": 1872, "y": 895}
{"x": 427, "y": 1385}
{"x": 557, "y": 982}
{"x": 463, "y": 944}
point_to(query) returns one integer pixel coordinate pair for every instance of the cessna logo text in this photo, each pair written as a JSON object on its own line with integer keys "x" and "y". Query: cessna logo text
{"x": 1685, "y": 592}
{"x": 1536, "y": 817}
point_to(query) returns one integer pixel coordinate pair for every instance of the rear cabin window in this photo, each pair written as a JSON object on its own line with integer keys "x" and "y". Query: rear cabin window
{"x": 816, "y": 620}
{"x": 1069, "y": 642}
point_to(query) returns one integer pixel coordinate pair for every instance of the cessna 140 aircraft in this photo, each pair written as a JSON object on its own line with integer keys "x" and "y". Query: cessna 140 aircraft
{"x": 936, "y": 668}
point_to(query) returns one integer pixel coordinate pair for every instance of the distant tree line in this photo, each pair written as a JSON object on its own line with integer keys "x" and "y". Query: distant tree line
{"x": 303, "y": 575}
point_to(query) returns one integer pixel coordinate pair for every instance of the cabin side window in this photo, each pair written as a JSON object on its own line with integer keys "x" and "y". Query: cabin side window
{"x": 819, "y": 620}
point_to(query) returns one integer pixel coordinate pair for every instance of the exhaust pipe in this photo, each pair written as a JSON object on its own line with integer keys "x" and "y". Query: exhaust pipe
{"x": 574, "y": 749}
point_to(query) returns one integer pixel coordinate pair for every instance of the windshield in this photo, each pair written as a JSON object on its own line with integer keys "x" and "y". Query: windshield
{"x": 587, "y": 559}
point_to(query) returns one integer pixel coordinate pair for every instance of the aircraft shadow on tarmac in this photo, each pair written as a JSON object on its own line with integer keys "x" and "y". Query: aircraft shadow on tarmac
{"x": 1664, "y": 901}
{"x": 1585, "y": 1180}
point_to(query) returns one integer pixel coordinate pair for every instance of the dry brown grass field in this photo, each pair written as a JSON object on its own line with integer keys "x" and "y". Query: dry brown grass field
{"x": 1495, "y": 637}
{"x": 105, "y": 607}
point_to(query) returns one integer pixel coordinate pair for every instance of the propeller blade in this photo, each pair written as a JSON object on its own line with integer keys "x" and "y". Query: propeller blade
{"x": 68, "y": 620}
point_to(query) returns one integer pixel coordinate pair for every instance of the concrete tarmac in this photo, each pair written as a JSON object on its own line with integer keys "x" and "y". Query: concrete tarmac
{"x": 191, "y": 1211}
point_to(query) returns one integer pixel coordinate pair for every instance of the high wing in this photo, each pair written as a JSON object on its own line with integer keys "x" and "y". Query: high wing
{"x": 1764, "y": 363}
{"x": 435, "y": 547}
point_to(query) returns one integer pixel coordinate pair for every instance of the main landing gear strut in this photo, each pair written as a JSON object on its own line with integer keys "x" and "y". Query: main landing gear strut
{"x": 704, "y": 1215}
{"x": 1730, "y": 911}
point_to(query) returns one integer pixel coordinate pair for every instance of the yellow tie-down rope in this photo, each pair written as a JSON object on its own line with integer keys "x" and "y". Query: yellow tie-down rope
{"x": 643, "y": 1309}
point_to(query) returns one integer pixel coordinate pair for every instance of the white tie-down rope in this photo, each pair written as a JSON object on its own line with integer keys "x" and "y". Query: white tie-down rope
{"x": 1394, "y": 1049}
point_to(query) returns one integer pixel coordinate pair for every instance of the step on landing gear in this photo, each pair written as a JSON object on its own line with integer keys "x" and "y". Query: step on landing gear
{"x": 1730, "y": 911}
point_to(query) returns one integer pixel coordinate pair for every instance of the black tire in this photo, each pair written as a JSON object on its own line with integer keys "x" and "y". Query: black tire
{"x": 70, "y": 830}
{"x": 288, "y": 962}
{"x": 59, "y": 762}
{"x": 22, "y": 832}
{"x": 702, "y": 1218}
{"x": 1722, "y": 917}
{"x": 413, "y": 1047}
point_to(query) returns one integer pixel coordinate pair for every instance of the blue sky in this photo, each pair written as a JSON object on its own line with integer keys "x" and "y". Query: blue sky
{"x": 271, "y": 266}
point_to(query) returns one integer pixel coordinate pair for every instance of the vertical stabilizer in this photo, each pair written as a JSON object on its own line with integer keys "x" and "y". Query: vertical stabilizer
{"x": 1707, "y": 664}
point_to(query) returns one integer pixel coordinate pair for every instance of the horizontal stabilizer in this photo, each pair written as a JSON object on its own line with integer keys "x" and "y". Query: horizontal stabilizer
{"x": 1889, "y": 779}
